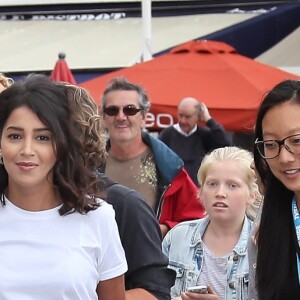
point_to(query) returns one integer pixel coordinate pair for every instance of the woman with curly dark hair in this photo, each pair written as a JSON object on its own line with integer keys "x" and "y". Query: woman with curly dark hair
{"x": 58, "y": 239}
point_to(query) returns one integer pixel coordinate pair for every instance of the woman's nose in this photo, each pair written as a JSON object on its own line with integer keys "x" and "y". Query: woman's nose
{"x": 27, "y": 147}
{"x": 285, "y": 154}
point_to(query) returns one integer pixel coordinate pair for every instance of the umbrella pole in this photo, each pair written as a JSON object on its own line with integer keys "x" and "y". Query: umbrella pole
{"x": 146, "y": 17}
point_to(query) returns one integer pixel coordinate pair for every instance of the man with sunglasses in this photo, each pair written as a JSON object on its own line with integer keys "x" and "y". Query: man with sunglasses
{"x": 138, "y": 160}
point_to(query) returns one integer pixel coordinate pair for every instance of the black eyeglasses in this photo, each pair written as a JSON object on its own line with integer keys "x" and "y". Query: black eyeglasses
{"x": 128, "y": 110}
{"x": 269, "y": 149}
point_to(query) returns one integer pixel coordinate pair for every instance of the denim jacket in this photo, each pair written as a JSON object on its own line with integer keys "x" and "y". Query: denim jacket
{"x": 183, "y": 246}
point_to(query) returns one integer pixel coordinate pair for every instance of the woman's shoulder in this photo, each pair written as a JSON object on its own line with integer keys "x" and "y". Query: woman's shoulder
{"x": 104, "y": 208}
{"x": 104, "y": 213}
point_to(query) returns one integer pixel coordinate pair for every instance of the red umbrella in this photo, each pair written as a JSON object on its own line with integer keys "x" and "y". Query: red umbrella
{"x": 61, "y": 71}
{"x": 231, "y": 85}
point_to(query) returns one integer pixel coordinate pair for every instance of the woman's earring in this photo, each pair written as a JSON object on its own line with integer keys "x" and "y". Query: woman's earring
{"x": 1, "y": 160}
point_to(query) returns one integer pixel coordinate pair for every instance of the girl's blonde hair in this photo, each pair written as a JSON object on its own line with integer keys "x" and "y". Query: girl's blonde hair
{"x": 244, "y": 159}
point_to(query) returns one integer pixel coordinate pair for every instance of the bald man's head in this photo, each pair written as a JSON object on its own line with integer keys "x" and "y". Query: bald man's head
{"x": 188, "y": 101}
{"x": 188, "y": 113}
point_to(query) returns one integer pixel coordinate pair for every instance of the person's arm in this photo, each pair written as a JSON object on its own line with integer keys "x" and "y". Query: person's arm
{"x": 203, "y": 113}
{"x": 111, "y": 289}
{"x": 110, "y": 257}
{"x": 216, "y": 136}
{"x": 138, "y": 294}
{"x": 148, "y": 273}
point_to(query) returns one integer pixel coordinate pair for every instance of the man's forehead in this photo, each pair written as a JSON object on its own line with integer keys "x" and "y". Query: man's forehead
{"x": 186, "y": 110}
{"x": 122, "y": 94}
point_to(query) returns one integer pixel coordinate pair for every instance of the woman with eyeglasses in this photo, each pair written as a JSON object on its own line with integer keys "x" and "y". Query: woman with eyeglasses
{"x": 277, "y": 159}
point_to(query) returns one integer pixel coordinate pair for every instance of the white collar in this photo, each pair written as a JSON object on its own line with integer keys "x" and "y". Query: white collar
{"x": 178, "y": 128}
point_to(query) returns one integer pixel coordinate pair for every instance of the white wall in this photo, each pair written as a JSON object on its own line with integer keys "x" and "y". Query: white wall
{"x": 34, "y": 45}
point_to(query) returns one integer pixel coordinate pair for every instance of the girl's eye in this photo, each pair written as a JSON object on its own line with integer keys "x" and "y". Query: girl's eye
{"x": 211, "y": 184}
{"x": 233, "y": 185}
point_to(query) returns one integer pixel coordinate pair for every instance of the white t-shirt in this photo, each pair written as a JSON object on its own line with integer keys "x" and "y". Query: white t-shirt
{"x": 47, "y": 256}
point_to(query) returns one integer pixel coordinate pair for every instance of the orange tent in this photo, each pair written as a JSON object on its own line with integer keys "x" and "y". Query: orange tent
{"x": 231, "y": 85}
{"x": 61, "y": 71}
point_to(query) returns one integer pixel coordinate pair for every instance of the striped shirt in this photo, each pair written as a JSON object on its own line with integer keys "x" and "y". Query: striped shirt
{"x": 214, "y": 272}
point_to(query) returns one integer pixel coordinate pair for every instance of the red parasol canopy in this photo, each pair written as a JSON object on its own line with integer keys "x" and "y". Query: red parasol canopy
{"x": 231, "y": 85}
{"x": 61, "y": 71}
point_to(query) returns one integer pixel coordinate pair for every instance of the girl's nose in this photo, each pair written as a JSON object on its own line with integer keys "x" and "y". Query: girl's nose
{"x": 221, "y": 192}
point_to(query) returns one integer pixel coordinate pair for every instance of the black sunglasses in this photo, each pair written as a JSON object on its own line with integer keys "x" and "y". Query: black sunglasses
{"x": 128, "y": 110}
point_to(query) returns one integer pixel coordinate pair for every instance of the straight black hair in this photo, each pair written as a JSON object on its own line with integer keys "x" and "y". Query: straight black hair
{"x": 276, "y": 230}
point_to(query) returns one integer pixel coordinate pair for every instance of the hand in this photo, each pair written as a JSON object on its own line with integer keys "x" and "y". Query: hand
{"x": 203, "y": 114}
{"x": 211, "y": 295}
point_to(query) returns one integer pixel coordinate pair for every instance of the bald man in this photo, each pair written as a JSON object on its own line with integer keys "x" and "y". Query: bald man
{"x": 190, "y": 140}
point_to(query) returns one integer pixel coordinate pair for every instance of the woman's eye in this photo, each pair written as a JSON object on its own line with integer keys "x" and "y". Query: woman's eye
{"x": 14, "y": 136}
{"x": 296, "y": 142}
{"x": 43, "y": 138}
{"x": 211, "y": 184}
{"x": 270, "y": 144}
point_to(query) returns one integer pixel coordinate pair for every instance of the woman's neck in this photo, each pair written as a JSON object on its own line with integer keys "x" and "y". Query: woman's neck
{"x": 35, "y": 198}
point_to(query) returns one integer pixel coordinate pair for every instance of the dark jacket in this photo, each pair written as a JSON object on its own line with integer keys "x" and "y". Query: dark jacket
{"x": 141, "y": 239}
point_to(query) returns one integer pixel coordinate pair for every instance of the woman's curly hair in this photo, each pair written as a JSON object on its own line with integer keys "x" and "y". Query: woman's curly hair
{"x": 89, "y": 124}
{"x": 77, "y": 184}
